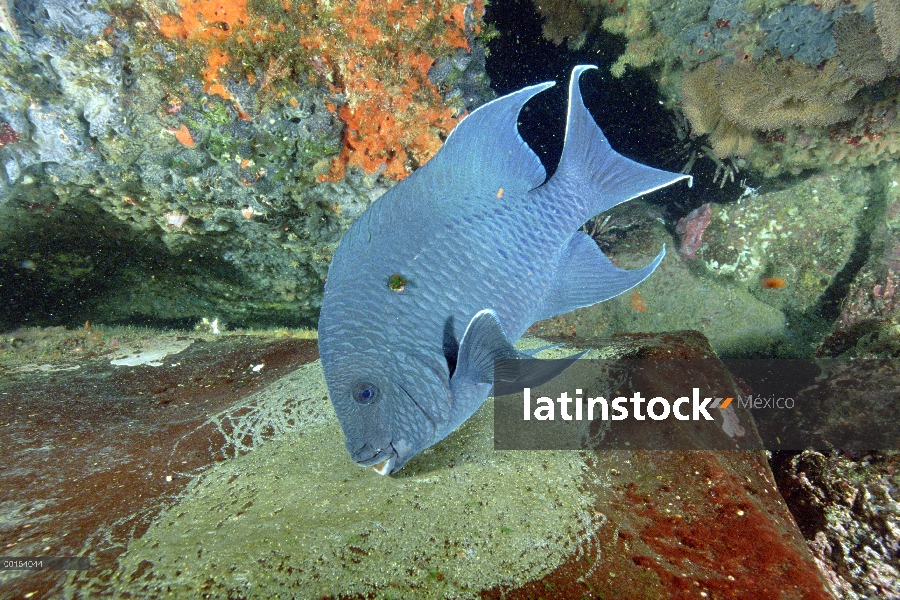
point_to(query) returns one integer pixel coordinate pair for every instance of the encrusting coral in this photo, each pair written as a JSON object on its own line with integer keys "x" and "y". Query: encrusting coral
{"x": 860, "y": 49}
{"x": 562, "y": 19}
{"x": 374, "y": 56}
{"x": 731, "y": 102}
{"x": 394, "y": 115}
{"x": 887, "y": 22}
{"x": 786, "y": 93}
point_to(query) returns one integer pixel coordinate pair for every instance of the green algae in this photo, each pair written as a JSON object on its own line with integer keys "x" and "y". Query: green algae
{"x": 296, "y": 518}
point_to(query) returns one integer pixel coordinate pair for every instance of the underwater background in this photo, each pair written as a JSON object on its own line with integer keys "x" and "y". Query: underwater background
{"x": 176, "y": 174}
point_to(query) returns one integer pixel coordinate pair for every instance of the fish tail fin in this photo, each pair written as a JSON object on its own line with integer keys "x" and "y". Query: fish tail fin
{"x": 592, "y": 172}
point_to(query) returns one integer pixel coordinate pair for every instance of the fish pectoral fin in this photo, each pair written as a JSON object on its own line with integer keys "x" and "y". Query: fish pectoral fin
{"x": 484, "y": 342}
{"x": 531, "y": 373}
{"x": 486, "y": 356}
{"x": 585, "y": 276}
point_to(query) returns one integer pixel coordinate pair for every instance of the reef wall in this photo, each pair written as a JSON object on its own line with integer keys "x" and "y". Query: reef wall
{"x": 776, "y": 85}
{"x": 166, "y": 161}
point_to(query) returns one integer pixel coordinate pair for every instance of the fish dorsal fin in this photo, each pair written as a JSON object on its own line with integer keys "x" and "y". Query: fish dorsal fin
{"x": 584, "y": 276}
{"x": 483, "y": 154}
{"x": 590, "y": 173}
{"x": 485, "y": 151}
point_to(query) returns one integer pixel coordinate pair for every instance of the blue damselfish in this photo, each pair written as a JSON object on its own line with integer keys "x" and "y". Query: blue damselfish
{"x": 446, "y": 271}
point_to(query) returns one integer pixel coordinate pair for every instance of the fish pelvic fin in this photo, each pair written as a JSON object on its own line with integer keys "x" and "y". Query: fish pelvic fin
{"x": 483, "y": 342}
{"x": 590, "y": 172}
{"x": 486, "y": 356}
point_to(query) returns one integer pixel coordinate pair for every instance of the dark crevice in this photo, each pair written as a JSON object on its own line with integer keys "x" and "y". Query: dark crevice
{"x": 829, "y": 305}
{"x": 808, "y": 328}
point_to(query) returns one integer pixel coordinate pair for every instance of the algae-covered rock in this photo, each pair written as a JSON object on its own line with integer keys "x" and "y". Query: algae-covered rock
{"x": 869, "y": 321}
{"x": 849, "y": 511}
{"x": 293, "y": 517}
{"x": 787, "y": 246}
{"x": 221, "y": 473}
{"x": 297, "y": 517}
{"x": 201, "y": 159}
{"x": 755, "y": 273}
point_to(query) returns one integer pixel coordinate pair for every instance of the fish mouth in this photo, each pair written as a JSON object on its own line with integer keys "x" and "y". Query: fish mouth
{"x": 382, "y": 459}
{"x": 386, "y": 459}
{"x": 384, "y": 467}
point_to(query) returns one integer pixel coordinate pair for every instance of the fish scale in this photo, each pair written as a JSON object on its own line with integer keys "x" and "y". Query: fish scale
{"x": 445, "y": 262}
{"x": 405, "y": 367}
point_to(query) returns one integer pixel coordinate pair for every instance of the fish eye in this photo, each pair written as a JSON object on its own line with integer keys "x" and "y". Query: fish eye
{"x": 365, "y": 392}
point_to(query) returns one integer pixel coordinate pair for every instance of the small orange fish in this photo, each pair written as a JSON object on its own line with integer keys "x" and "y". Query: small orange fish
{"x": 637, "y": 303}
{"x": 772, "y": 283}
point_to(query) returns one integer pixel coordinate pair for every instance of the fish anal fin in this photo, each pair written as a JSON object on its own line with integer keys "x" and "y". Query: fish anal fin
{"x": 585, "y": 276}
